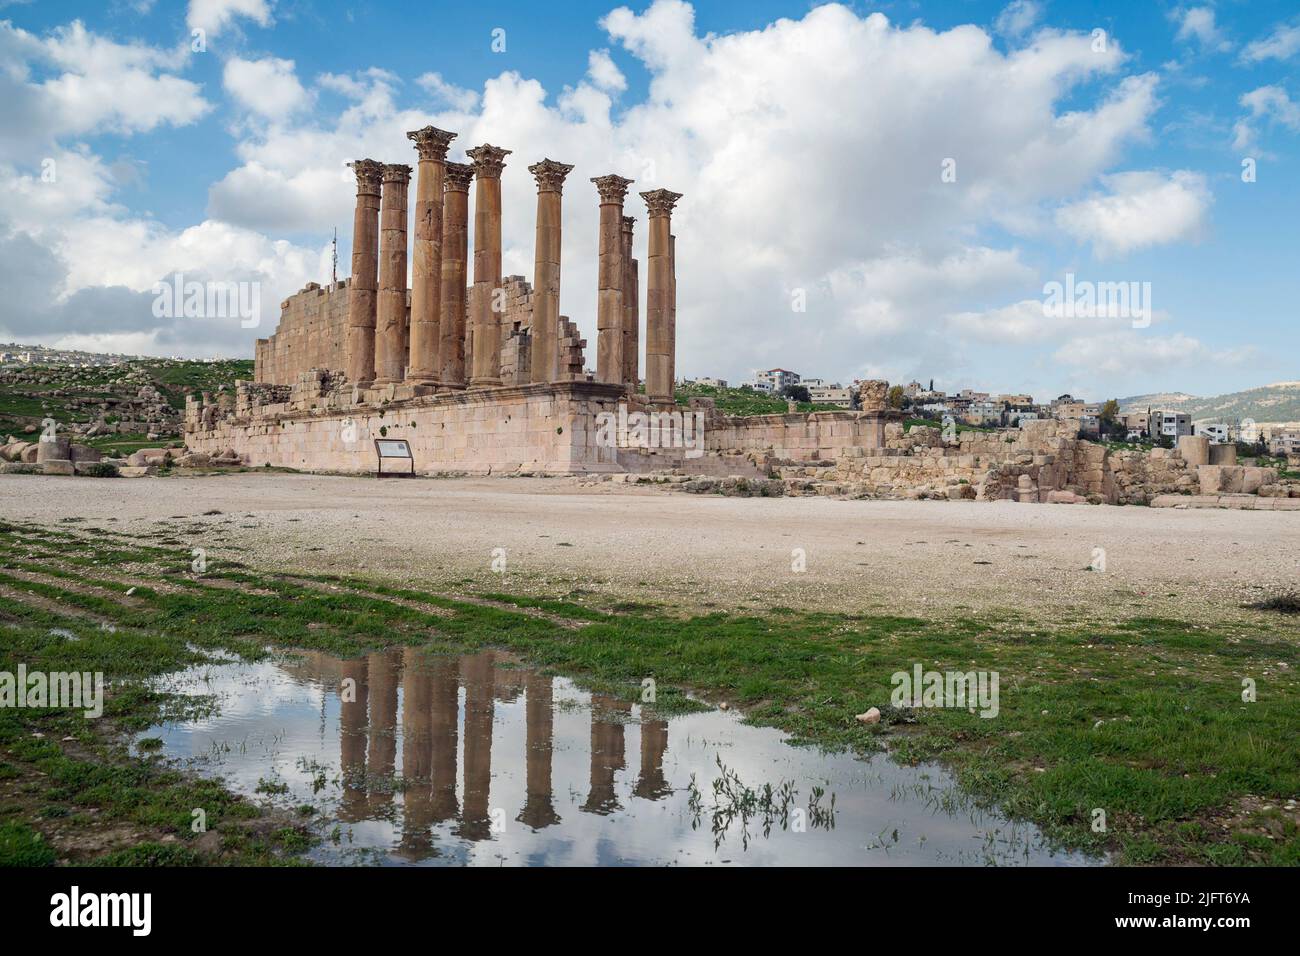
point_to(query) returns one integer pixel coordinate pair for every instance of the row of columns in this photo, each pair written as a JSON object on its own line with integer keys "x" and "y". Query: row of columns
{"x": 433, "y": 745}
{"x": 383, "y": 350}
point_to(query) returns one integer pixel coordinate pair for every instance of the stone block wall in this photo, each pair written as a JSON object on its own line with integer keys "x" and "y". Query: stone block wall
{"x": 798, "y": 436}
{"x": 312, "y": 333}
{"x": 538, "y": 429}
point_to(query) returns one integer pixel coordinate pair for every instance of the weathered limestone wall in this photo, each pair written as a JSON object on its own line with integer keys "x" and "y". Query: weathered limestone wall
{"x": 312, "y": 334}
{"x": 545, "y": 429}
{"x": 814, "y": 436}
{"x": 313, "y": 330}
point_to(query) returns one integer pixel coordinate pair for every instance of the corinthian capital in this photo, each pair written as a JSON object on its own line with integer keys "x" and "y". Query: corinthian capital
{"x": 458, "y": 176}
{"x": 369, "y": 174}
{"x": 628, "y": 223}
{"x": 431, "y": 142}
{"x": 488, "y": 160}
{"x": 660, "y": 202}
{"x": 612, "y": 188}
{"x": 550, "y": 175}
{"x": 397, "y": 173}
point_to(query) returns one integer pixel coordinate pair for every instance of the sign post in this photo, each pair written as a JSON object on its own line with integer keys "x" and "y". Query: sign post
{"x": 398, "y": 448}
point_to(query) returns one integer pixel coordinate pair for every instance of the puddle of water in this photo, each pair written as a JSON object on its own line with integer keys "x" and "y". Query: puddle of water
{"x": 415, "y": 759}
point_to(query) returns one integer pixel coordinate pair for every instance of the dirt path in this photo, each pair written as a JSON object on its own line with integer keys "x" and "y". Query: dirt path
{"x": 688, "y": 551}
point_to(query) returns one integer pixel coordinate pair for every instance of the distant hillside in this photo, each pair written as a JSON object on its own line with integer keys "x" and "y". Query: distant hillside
{"x": 1279, "y": 402}
{"x": 116, "y": 407}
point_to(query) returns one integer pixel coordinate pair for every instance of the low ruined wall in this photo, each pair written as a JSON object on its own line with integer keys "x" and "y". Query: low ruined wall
{"x": 320, "y": 424}
{"x": 537, "y": 429}
{"x": 799, "y": 436}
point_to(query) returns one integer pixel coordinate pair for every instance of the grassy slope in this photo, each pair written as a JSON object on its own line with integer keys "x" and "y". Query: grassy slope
{"x": 173, "y": 379}
{"x": 739, "y": 401}
{"x": 1143, "y": 719}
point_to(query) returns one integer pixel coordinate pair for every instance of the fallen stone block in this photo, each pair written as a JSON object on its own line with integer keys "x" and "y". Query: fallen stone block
{"x": 56, "y": 466}
{"x": 146, "y": 457}
{"x": 1065, "y": 498}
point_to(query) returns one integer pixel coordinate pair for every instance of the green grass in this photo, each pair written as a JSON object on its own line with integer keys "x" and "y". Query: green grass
{"x": 173, "y": 378}
{"x": 745, "y": 401}
{"x": 1143, "y": 718}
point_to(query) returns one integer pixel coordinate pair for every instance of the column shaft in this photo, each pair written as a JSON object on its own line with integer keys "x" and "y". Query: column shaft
{"x": 426, "y": 265}
{"x": 365, "y": 268}
{"x": 488, "y": 161}
{"x": 610, "y": 280}
{"x": 631, "y": 313}
{"x": 546, "y": 270}
{"x": 390, "y": 339}
{"x": 660, "y": 305}
{"x": 455, "y": 251}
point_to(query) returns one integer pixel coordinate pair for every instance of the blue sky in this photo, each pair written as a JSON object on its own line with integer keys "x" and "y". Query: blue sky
{"x": 808, "y": 139}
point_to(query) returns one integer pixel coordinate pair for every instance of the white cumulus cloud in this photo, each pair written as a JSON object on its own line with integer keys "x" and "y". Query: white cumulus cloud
{"x": 1139, "y": 210}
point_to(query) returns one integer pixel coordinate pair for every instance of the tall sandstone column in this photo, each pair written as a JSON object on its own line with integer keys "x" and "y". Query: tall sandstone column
{"x": 660, "y": 299}
{"x": 390, "y": 339}
{"x": 631, "y": 313}
{"x": 609, "y": 305}
{"x": 365, "y": 268}
{"x": 426, "y": 267}
{"x": 488, "y": 161}
{"x": 455, "y": 252}
{"x": 546, "y": 270}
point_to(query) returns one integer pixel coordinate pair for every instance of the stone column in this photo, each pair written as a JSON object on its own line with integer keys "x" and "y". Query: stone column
{"x": 353, "y": 707}
{"x": 546, "y": 270}
{"x": 444, "y": 728}
{"x": 651, "y": 784}
{"x": 488, "y": 161}
{"x": 381, "y": 759}
{"x": 609, "y": 285}
{"x": 478, "y": 677}
{"x": 365, "y": 268}
{"x": 660, "y": 303}
{"x": 539, "y": 717}
{"x": 607, "y": 753}
{"x": 631, "y": 313}
{"x": 417, "y": 755}
{"x": 455, "y": 250}
{"x": 426, "y": 267}
{"x": 390, "y": 339}
{"x": 672, "y": 312}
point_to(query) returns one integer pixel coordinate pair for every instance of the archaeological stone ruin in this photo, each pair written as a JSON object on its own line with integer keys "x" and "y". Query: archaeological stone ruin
{"x": 482, "y": 374}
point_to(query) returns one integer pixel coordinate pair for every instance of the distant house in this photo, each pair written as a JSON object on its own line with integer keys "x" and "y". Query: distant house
{"x": 834, "y": 394}
{"x": 712, "y": 382}
{"x": 1173, "y": 425}
{"x": 1285, "y": 443}
{"x": 1216, "y": 432}
{"x": 776, "y": 379}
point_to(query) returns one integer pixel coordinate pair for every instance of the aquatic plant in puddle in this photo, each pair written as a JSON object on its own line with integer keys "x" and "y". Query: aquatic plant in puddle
{"x": 765, "y": 806}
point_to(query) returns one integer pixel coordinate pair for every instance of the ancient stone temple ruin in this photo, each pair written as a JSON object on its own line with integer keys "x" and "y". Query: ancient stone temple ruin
{"x": 480, "y": 372}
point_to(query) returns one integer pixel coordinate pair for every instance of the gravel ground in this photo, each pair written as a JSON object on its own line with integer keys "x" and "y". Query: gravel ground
{"x": 935, "y": 559}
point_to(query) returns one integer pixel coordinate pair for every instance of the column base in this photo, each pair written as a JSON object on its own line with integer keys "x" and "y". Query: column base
{"x": 485, "y": 383}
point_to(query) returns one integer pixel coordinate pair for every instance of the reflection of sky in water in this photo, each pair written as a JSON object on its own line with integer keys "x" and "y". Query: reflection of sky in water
{"x": 444, "y": 760}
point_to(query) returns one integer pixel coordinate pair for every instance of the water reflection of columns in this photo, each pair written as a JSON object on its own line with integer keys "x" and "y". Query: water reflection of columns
{"x": 417, "y": 755}
{"x": 651, "y": 785}
{"x": 539, "y": 717}
{"x": 444, "y": 730}
{"x": 476, "y": 674}
{"x": 606, "y": 753}
{"x": 352, "y": 738}
{"x": 382, "y": 758}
